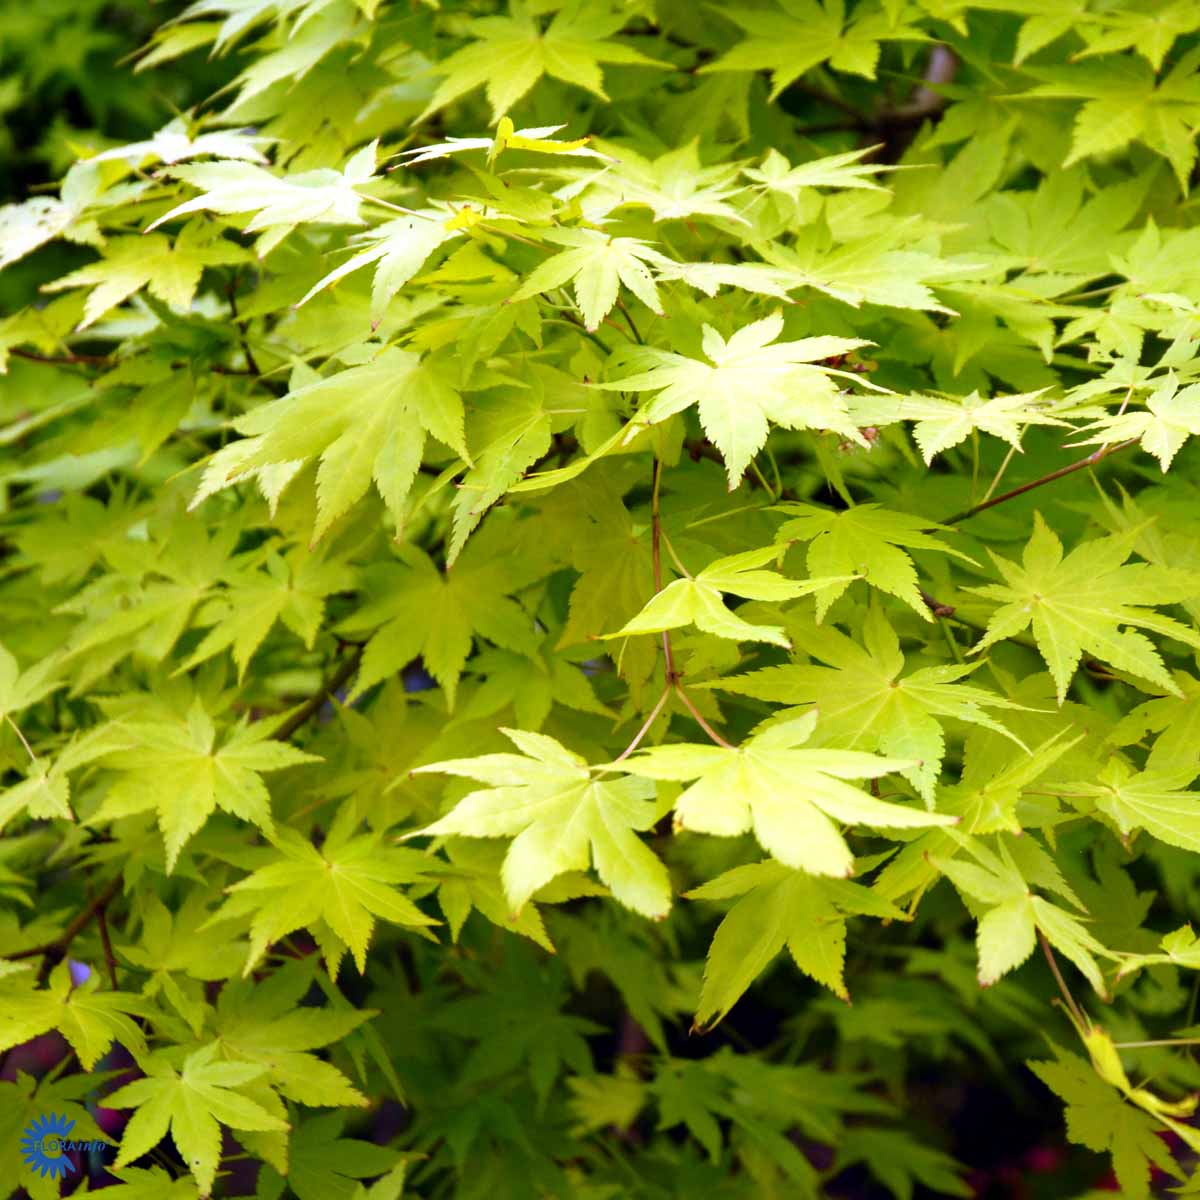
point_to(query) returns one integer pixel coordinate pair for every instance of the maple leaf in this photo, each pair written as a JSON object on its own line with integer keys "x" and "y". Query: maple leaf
{"x": 279, "y": 203}
{"x": 192, "y": 1103}
{"x": 778, "y": 907}
{"x": 471, "y": 880}
{"x": 599, "y": 264}
{"x": 25, "y": 1100}
{"x": 322, "y": 1164}
{"x": 419, "y": 610}
{"x": 398, "y": 249}
{"x": 511, "y": 430}
{"x": 846, "y": 170}
{"x": 19, "y": 689}
{"x": 173, "y": 943}
{"x": 560, "y": 816}
{"x": 941, "y": 423}
{"x": 512, "y": 53}
{"x": 615, "y": 564}
{"x": 537, "y": 139}
{"x": 340, "y": 889}
{"x": 203, "y": 776}
{"x": 806, "y": 34}
{"x": 862, "y": 270}
{"x": 169, "y": 271}
{"x": 265, "y": 1026}
{"x": 868, "y": 703}
{"x": 1077, "y": 604}
{"x": 1154, "y": 800}
{"x": 899, "y": 1162}
{"x": 24, "y": 227}
{"x": 746, "y": 381}
{"x": 1151, "y": 32}
{"x": 174, "y": 143}
{"x": 531, "y": 687}
{"x": 698, "y": 601}
{"x": 90, "y": 1019}
{"x": 1099, "y": 1119}
{"x": 1171, "y": 416}
{"x": 1013, "y": 915}
{"x": 45, "y": 792}
{"x": 675, "y": 186}
{"x": 789, "y": 797}
{"x": 1179, "y": 948}
{"x": 291, "y": 590}
{"x": 366, "y": 423}
{"x": 863, "y": 542}
{"x": 1125, "y": 101}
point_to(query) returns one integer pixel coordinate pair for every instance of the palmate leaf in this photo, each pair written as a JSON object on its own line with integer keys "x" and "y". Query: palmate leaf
{"x": 598, "y": 264}
{"x": 698, "y": 601}
{"x": 415, "y": 609}
{"x": 1124, "y": 101}
{"x": 1078, "y": 603}
{"x": 561, "y": 815}
{"x": 25, "y": 1100}
{"x": 790, "y": 798}
{"x": 291, "y": 591}
{"x": 805, "y": 34}
{"x": 174, "y": 143}
{"x": 337, "y": 890}
{"x": 940, "y": 424}
{"x": 1171, "y": 416}
{"x": 170, "y": 271}
{"x": 89, "y": 1018}
{"x": 267, "y": 1025}
{"x": 322, "y": 1164}
{"x": 192, "y": 1102}
{"x": 1099, "y": 1118}
{"x": 1012, "y": 915}
{"x": 675, "y": 186}
{"x": 1180, "y": 948}
{"x": 19, "y": 689}
{"x": 865, "y": 542}
{"x": 365, "y": 424}
{"x": 178, "y": 770}
{"x": 1155, "y": 800}
{"x": 512, "y": 53}
{"x": 277, "y": 203}
{"x": 779, "y": 907}
{"x": 866, "y": 700}
{"x": 397, "y": 249}
{"x": 746, "y": 384}
{"x": 538, "y": 139}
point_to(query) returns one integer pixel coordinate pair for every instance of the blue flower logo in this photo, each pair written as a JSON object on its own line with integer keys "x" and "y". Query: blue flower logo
{"x": 41, "y": 1145}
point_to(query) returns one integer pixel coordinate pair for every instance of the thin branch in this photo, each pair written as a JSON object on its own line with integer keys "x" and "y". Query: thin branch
{"x": 101, "y": 360}
{"x": 681, "y": 692}
{"x": 569, "y": 318}
{"x": 857, "y": 118}
{"x": 62, "y": 360}
{"x": 1081, "y": 1021}
{"x": 1090, "y": 461}
{"x": 656, "y": 560}
{"x": 637, "y": 337}
{"x": 645, "y": 729}
{"x": 110, "y": 959}
{"x": 243, "y": 337}
{"x": 21, "y": 738}
{"x": 314, "y": 703}
{"x": 58, "y": 947}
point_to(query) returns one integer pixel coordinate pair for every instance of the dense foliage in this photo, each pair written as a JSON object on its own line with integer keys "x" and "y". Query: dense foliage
{"x": 600, "y": 599}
